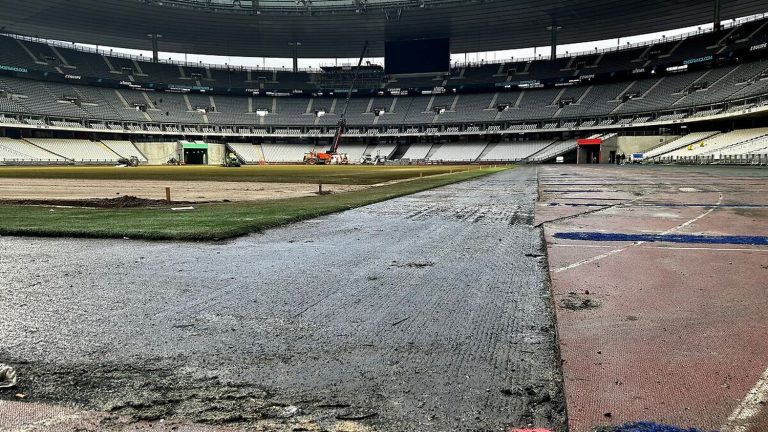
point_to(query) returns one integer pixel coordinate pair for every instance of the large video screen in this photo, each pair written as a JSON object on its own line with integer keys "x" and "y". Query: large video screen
{"x": 417, "y": 56}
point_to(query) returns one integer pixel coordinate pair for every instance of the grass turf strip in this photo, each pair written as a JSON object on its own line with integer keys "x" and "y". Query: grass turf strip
{"x": 207, "y": 221}
{"x": 333, "y": 174}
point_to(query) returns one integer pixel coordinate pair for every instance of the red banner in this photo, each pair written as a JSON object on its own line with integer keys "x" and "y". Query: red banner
{"x": 589, "y": 141}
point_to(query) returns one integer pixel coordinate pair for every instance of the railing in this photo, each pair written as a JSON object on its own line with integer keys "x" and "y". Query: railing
{"x": 756, "y": 159}
{"x": 299, "y": 7}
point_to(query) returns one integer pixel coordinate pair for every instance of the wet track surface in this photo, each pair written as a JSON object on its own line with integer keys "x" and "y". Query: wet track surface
{"x": 659, "y": 279}
{"x": 429, "y": 312}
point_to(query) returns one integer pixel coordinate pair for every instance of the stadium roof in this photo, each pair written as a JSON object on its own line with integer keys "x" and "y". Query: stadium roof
{"x": 337, "y": 28}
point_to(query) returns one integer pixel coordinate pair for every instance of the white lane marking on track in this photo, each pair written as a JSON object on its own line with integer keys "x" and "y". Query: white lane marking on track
{"x": 638, "y": 243}
{"x": 741, "y": 418}
{"x": 707, "y": 249}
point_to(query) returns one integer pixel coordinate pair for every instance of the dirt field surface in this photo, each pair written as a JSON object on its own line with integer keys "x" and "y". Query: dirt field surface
{"x": 429, "y": 312}
{"x": 311, "y": 174}
{"x": 189, "y": 191}
{"x": 659, "y": 278}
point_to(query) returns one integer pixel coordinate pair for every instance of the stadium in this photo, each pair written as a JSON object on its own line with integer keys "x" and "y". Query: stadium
{"x": 384, "y": 215}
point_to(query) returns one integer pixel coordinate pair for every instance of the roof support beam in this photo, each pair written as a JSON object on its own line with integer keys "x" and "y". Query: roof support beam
{"x": 716, "y": 21}
{"x": 553, "y": 45}
{"x": 154, "y": 37}
{"x": 295, "y": 46}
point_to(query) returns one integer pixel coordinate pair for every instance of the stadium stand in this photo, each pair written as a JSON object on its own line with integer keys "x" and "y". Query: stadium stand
{"x": 553, "y": 150}
{"x": 382, "y": 149}
{"x": 458, "y": 152}
{"x": 513, "y": 151}
{"x": 752, "y": 146}
{"x": 68, "y": 102}
{"x": 716, "y": 144}
{"x": 731, "y": 87}
{"x": 247, "y": 152}
{"x": 82, "y": 151}
{"x": 124, "y": 149}
{"x": 417, "y": 152}
{"x": 285, "y": 153}
{"x": 354, "y": 151}
{"x": 681, "y": 142}
{"x": 20, "y": 152}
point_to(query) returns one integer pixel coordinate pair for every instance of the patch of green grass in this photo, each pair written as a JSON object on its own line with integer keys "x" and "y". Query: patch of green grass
{"x": 333, "y": 174}
{"x": 207, "y": 221}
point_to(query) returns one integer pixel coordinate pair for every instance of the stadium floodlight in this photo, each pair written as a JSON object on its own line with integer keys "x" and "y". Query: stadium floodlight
{"x": 439, "y": 109}
{"x": 261, "y": 112}
{"x": 319, "y": 112}
{"x": 379, "y": 111}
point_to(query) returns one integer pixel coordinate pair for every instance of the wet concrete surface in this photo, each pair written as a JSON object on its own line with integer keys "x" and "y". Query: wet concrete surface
{"x": 678, "y": 331}
{"x": 430, "y": 312}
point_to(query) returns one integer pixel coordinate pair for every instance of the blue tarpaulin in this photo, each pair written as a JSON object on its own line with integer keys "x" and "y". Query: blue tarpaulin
{"x": 668, "y": 238}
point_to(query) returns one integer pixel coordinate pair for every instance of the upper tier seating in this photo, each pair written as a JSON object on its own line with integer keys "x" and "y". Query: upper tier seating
{"x": 666, "y": 97}
{"x": 16, "y": 52}
{"x": 67, "y": 101}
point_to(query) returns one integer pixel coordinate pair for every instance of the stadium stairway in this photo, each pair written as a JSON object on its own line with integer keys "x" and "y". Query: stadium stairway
{"x": 435, "y": 147}
{"x": 247, "y": 153}
{"x": 488, "y": 148}
{"x": 400, "y": 151}
{"x": 553, "y": 150}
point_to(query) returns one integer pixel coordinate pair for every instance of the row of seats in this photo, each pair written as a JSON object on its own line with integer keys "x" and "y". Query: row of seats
{"x": 39, "y": 56}
{"x": 700, "y": 144}
{"x": 683, "y": 141}
{"x": 444, "y": 152}
{"x": 55, "y": 151}
{"x": 719, "y": 144}
{"x": 666, "y": 95}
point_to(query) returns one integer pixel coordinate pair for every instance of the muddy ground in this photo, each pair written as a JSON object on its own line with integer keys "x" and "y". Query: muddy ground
{"x": 188, "y": 191}
{"x": 124, "y": 201}
{"x": 430, "y": 312}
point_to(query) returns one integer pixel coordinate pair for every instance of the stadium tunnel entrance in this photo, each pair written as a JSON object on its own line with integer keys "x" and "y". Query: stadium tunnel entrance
{"x": 195, "y": 157}
{"x": 588, "y": 151}
{"x": 194, "y": 153}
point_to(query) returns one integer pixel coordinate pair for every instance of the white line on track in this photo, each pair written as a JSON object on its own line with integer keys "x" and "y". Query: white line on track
{"x": 741, "y": 418}
{"x": 638, "y": 243}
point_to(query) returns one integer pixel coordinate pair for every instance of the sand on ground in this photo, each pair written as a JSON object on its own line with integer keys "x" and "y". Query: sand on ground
{"x": 194, "y": 191}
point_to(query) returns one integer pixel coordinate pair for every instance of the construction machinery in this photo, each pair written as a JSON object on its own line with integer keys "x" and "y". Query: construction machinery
{"x": 325, "y": 158}
{"x": 368, "y": 159}
{"x": 132, "y": 161}
{"x": 231, "y": 161}
{"x": 332, "y": 156}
